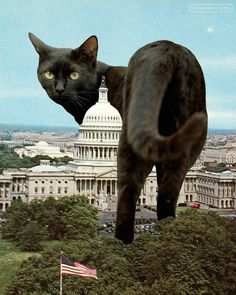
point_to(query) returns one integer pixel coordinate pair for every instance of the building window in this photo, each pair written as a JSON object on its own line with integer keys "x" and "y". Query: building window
{"x": 59, "y": 190}
{"x": 43, "y": 190}
{"x": 51, "y": 190}
{"x": 35, "y": 190}
{"x": 66, "y": 190}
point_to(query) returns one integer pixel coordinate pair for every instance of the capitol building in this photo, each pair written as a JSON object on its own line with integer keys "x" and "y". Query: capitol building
{"x": 93, "y": 171}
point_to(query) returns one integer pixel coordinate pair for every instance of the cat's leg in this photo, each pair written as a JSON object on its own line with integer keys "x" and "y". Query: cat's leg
{"x": 132, "y": 173}
{"x": 169, "y": 178}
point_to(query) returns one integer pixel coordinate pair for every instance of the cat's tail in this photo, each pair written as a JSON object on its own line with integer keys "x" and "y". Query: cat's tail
{"x": 142, "y": 120}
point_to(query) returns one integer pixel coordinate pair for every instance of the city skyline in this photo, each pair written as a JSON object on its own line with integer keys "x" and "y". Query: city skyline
{"x": 121, "y": 28}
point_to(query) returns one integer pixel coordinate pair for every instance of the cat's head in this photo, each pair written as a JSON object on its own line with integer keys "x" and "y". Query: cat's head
{"x": 69, "y": 76}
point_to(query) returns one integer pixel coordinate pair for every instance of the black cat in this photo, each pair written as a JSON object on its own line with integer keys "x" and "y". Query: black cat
{"x": 71, "y": 77}
{"x": 161, "y": 97}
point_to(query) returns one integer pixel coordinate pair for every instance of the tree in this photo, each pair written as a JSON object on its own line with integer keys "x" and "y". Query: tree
{"x": 31, "y": 236}
{"x": 193, "y": 254}
{"x": 8, "y": 159}
{"x": 14, "y": 219}
{"x": 66, "y": 218}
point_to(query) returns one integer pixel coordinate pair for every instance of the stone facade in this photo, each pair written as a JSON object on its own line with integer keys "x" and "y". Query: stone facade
{"x": 215, "y": 188}
{"x": 99, "y": 188}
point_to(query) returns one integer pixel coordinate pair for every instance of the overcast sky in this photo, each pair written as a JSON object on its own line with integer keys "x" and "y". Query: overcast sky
{"x": 122, "y": 26}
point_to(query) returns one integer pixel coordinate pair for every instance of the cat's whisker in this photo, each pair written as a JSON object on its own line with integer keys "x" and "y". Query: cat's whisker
{"x": 84, "y": 91}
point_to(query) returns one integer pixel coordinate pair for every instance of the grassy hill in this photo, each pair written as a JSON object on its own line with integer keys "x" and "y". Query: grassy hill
{"x": 10, "y": 259}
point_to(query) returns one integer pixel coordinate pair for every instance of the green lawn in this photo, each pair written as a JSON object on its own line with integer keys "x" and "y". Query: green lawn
{"x": 10, "y": 259}
{"x": 181, "y": 209}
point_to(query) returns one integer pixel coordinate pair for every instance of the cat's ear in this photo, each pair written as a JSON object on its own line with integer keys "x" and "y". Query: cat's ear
{"x": 87, "y": 51}
{"x": 42, "y": 48}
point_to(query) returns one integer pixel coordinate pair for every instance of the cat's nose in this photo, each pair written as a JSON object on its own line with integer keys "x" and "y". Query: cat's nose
{"x": 60, "y": 91}
{"x": 59, "y": 88}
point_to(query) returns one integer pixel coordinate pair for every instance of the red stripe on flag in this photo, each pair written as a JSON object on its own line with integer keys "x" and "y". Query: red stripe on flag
{"x": 79, "y": 271}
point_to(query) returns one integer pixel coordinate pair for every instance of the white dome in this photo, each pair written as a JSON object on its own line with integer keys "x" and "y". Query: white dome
{"x": 102, "y": 114}
{"x": 100, "y": 132}
{"x": 42, "y": 144}
{"x": 44, "y": 168}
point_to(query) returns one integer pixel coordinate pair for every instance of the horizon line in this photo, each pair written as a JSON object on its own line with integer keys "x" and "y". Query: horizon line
{"x": 74, "y": 127}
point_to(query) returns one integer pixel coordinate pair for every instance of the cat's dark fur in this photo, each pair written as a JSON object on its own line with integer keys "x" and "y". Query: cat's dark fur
{"x": 76, "y": 96}
{"x": 161, "y": 97}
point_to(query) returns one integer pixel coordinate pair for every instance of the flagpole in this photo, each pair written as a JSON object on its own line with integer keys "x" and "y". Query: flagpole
{"x": 60, "y": 275}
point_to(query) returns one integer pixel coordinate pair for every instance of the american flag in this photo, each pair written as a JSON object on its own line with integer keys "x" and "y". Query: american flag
{"x": 75, "y": 268}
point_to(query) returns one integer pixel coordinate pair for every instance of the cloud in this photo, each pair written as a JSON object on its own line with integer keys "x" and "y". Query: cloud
{"x": 222, "y": 119}
{"x": 219, "y": 62}
{"x": 221, "y": 100}
{"x": 20, "y": 93}
{"x": 221, "y": 110}
{"x": 224, "y": 115}
{"x": 210, "y": 30}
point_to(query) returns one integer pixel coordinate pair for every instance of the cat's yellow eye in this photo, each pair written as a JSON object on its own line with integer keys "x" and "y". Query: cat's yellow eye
{"x": 48, "y": 75}
{"x": 74, "y": 76}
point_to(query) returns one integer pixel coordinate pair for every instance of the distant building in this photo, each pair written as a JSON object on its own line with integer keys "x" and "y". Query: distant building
{"x": 11, "y": 143}
{"x": 218, "y": 155}
{"x": 214, "y": 187}
{"x": 41, "y": 148}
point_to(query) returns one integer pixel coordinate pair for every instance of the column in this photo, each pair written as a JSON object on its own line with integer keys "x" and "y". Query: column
{"x": 95, "y": 186}
{"x": 116, "y": 188}
{"x": 107, "y": 185}
{"x": 85, "y": 186}
{"x": 78, "y": 186}
{"x": 22, "y": 185}
{"x": 99, "y": 186}
{"x": 100, "y": 153}
{"x": 81, "y": 186}
{"x": 113, "y": 187}
{"x": 75, "y": 187}
{"x": 4, "y": 190}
